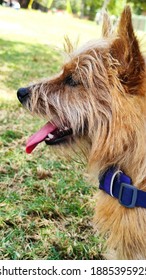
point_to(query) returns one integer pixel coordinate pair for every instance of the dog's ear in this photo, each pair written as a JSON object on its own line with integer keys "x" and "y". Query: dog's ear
{"x": 107, "y": 27}
{"x": 125, "y": 49}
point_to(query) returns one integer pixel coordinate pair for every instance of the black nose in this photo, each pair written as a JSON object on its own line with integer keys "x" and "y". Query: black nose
{"x": 23, "y": 94}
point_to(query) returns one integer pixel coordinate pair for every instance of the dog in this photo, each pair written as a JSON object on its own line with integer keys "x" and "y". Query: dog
{"x": 98, "y": 99}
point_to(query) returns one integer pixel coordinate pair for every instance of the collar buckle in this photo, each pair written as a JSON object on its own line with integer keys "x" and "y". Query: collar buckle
{"x": 128, "y": 188}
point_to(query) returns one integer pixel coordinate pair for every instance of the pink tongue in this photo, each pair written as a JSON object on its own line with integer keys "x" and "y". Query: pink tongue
{"x": 39, "y": 136}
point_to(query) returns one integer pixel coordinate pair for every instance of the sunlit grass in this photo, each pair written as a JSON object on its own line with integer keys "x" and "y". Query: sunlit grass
{"x": 47, "y": 28}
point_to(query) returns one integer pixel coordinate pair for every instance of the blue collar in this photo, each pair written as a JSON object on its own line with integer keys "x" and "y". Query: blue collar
{"x": 117, "y": 184}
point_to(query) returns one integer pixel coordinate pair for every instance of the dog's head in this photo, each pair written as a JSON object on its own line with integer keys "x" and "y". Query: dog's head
{"x": 96, "y": 93}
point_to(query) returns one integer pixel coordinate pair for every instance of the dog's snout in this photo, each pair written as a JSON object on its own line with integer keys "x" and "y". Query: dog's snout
{"x": 23, "y": 94}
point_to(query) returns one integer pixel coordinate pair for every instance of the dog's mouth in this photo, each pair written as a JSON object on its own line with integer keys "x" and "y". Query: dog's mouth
{"x": 51, "y": 134}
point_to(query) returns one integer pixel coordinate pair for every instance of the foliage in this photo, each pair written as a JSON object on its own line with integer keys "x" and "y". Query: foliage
{"x": 93, "y": 6}
{"x": 76, "y": 6}
{"x": 68, "y": 7}
{"x": 89, "y": 8}
{"x": 59, "y": 4}
{"x": 115, "y": 7}
{"x": 138, "y": 5}
{"x": 49, "y": 3}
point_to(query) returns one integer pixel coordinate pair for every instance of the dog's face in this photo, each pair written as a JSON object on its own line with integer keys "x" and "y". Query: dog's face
{"x": 73, "y": 100}
{"x": 83, "y": 99}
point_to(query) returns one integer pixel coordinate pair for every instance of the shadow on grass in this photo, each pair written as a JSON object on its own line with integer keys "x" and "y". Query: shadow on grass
{"x": 21, "y": 63}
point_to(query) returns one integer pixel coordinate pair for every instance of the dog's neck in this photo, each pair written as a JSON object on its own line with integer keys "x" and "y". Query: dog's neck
{"x": 123, "y": 146}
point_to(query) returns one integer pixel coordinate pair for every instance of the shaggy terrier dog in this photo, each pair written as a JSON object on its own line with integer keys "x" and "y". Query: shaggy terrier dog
{"x": 98, "y": 99}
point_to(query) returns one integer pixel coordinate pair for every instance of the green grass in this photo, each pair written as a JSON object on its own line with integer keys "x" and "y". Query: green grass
{"x": 21, "y": 63}
{"x": 37, "y": 27}
{"x": 46, "y": 207}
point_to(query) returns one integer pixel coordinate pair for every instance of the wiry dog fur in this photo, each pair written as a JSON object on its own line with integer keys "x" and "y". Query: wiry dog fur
{"x": 100, "y": 94}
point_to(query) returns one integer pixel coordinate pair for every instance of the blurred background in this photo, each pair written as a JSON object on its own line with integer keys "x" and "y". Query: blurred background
{"x": 46, "y": 207}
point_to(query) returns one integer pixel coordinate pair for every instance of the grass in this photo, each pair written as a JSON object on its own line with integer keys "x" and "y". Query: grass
{"x": 21, "y": 63}
{"x": 46, "y": 207}
{"x": 37, "y": 27}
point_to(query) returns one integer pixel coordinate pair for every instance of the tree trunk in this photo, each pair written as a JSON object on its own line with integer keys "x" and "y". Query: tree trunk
{"x": 30, "y": 4}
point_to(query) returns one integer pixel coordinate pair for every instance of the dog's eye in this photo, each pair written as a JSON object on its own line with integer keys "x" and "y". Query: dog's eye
{"x": 70, "y": 81}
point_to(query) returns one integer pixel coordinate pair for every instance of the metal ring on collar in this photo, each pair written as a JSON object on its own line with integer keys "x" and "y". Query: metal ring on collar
{"x": 112, "y": 181}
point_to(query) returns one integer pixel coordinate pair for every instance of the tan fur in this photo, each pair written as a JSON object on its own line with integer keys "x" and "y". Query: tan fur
{"x": 109, "y": 96}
